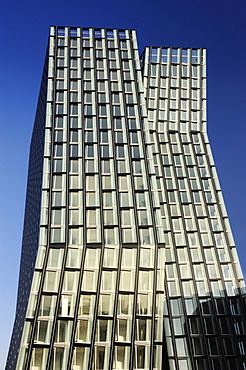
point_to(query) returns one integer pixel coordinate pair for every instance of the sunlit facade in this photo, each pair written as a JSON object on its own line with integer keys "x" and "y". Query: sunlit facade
{"x": 128, "y": 261}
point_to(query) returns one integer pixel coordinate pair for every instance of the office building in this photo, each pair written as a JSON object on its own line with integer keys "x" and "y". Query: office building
{"x": 128, "y": 261}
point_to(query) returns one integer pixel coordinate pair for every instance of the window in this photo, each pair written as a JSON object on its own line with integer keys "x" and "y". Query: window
{"x": 111, "y": 54}
{"x": 124, "y": 54}
{"x": 102, "y": 110}
{"x": 74, "y": 109}
{"x": 110, "y": 35}
{"x": 126, "y": 217}
{"x": 116, "y": 110}
{"x": 131, "y": 110}
{"x": 104, "y": 151}
{"x": 88, "y": 110}
{"x": 120, "y": 151}
{"x": 135, "y": 152}
{"x": 89, "y": 136}
{"x": 102, "y": 97}
{"x": 89, "y": 151}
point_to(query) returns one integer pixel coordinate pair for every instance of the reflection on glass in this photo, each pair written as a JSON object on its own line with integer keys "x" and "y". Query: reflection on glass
{"x": 121, "y": 357}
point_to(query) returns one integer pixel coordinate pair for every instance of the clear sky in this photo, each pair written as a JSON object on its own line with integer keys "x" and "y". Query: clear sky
{"x": 218, "y": 25}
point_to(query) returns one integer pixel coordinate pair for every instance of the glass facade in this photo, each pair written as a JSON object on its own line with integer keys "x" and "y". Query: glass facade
{"x": 128, "y": 260}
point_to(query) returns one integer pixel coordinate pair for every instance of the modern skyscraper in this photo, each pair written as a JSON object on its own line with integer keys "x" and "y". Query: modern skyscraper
{"x": 128, "y": 261}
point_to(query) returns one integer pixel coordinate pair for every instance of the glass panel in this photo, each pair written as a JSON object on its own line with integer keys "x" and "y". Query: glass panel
{"x": 144, "y": 302}
{"x": 80, "y": 358}
{"x": 125, "y": 304}
{"x": 42, "y": 332}
{"x": 51, "y": 281}
{"x": 86, "y": 305}
{"x": 70, "y": 281}
{"x": 67, "y": 305}
{"x": 110, "y": 257}
{"x": 145, "y": 280}
{"x": 108, "y": 280}
{"x": 60, "y": 357}
{"x": 39, "y": 358}
{"x": 106, "y": 304}
{"x": 83, "y": 330}
{"x": 89, "y": 281}
{"x": 123, "y": 330}
{"x": 47, "y": 305}
{"x": 63, "y": 331}
{"x": 103, "y": 330}
{"x": 101, "y": 358}
{"x": 143, "y": 330}
{"x": 74, "y": 257}
{"x": 127, "y": 280}
{"x": 142, "y": 357}
{"x": 121, "y": 357}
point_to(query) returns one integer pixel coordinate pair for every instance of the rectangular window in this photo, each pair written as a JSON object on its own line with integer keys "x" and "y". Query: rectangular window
{"x": 89, "y": 151}
{"x": 131, "y": 110}
{"x": 74, "y": 109}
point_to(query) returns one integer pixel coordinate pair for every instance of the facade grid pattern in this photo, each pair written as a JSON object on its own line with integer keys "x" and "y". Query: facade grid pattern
{"x": 136, "y": 265}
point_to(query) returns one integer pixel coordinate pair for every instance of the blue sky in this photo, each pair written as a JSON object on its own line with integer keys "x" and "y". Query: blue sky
{"x": 216, "y": 25}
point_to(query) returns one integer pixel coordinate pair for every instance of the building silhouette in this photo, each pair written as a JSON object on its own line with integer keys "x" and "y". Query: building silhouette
{"x": 128, "y": 261}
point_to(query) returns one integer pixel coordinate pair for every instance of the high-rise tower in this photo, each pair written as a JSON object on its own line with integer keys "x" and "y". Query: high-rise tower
{"x": 128, "y": 261}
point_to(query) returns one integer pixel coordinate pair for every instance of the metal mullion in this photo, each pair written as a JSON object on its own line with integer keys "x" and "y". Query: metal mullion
{"x": 198, "y": 174}
{"x": 153, "y": 308}
{"x": 186, "y": 238}
{"x": 202, "y": 190}
{"x": 164, "y": 187}
{"x": 192, "y": 130}
{"x": 52, "y": 338}
{"x": 204, "y": 260}
{"x": 81, "y": 273}
{"x": 171, "y": 155}
{"x": 72, "y": 347}
{"x": 181, "y": 295}
{"x": 201, "y": 250}
{"x": 158, "y": 78}
{"x": 200, "y": 79}
{"x": 155, "y": 236}
{"x": 166, "y": 193}
{"x": 153, "y": 225}
{"x": 215, "y": 191}
{"x": 93, "y": 332}
{"x": 166, "y": 293}
{"x": 182, "y": 213}
{"x": 170, "y": 318}
{"x": 111, "y": 355}
{"x": 188, "y": 249}
{"x": 179, "y": 78}
{"x": 186, "y": 99}
{"x": 43, "y": 270}
{"x": 206, "y": 208}
{"x": 134, "y": 206}
{"x": 168, "y": 90}
{"x": 165, "y": 356}
{"x": 189, "y": 60}
{"x": 188, "y": 339}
